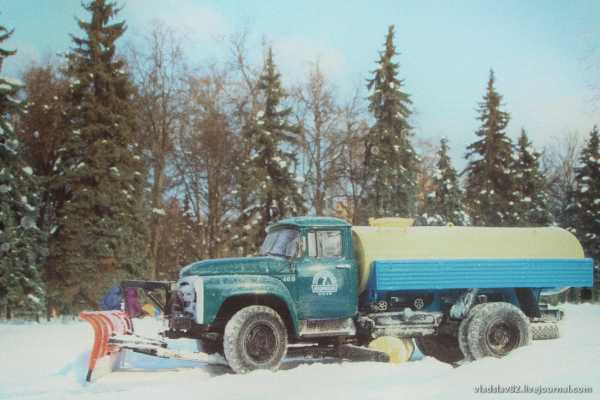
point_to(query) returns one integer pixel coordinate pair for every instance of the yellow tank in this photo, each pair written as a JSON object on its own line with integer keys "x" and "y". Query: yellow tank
{"x": 389, "y": 242}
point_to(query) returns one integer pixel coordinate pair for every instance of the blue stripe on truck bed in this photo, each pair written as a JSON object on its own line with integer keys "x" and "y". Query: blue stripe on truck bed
{"x": 391, "y": 275}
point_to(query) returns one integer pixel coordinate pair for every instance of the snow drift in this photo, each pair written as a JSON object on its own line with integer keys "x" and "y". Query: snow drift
{"x": 49, "y": 361}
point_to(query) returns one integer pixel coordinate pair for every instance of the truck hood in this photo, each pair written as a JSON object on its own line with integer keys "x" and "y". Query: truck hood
{"x": 238, "y": 266}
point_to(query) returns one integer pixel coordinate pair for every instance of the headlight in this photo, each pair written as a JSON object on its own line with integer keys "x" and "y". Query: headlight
{"x": 199, "y": 286}
{"x": 191, "y": 289}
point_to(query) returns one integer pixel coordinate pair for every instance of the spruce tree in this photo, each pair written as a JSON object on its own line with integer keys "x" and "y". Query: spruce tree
{"x": 489, "y": 185}
{"x": 269, "y": 171}
{"x": 21, "y": 242}
{"x": 100, "y": 234}
{"x": 244, "y": 238}
{"x": 444, "y": 204}
{"x": 390, "y": 160}
{"x": 530, "y": 190}
{"x": 587, "y": 197}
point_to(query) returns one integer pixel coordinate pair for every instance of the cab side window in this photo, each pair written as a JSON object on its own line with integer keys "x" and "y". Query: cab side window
{"x": 324, "y": 244}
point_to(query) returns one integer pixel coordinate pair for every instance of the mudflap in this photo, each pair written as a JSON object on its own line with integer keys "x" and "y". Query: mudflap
{"x": 106, "y": 357}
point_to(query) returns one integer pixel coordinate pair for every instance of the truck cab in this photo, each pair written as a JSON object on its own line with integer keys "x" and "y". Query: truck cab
{"x": 305, "y": 268}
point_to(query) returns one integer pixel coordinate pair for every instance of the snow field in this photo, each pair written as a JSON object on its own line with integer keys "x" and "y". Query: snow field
{"x": 49, "y": 361}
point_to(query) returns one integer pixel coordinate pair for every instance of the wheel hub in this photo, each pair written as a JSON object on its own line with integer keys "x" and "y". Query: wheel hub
{"x": 260, "y": 343}
{"x": 419, "y": 303}
{"x": 502, "y": 338}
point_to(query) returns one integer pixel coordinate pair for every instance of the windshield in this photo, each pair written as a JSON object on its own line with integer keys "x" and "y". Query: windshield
{"x": 282, "y": 242}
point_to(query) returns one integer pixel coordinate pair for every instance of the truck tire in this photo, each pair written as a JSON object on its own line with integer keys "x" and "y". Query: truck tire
{"x": 442, "y": 347}
{"x": 255, "y": 338}
{"x": 463, "y": 333}
{"x": 495, "y": 329}
{"x": 544, "y": 330}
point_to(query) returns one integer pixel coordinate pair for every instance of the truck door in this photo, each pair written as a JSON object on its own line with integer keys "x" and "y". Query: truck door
{"x": 323, "y": 277}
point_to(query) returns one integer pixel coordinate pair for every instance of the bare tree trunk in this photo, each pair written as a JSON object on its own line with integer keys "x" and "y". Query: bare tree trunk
{"x": 160, "y": 75}
{"x": 155, "y": 223}
{"x": 318, "y": 165}
{"x": 319, "y": 116}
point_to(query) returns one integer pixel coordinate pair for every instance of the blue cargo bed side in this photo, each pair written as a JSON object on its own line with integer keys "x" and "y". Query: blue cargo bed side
{"x": 425, "y": 274}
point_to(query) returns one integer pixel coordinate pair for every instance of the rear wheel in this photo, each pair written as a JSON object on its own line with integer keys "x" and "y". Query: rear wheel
{"x": 495, "y": 329}
{"x": 443, "y": 347}
{"x": 463, "y": 333}
{"x": 255, "y": 338}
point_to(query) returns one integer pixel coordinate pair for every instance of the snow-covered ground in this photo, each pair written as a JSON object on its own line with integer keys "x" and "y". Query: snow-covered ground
{"x": 49, "y": 360}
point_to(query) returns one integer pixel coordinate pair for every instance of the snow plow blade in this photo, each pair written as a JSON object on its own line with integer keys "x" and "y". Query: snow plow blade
{"x": 106, "y": 357}
{"x": 113, "y": 334}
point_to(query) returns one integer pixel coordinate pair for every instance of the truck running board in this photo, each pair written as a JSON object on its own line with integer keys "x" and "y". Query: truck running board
{"x": 327, "y": 327}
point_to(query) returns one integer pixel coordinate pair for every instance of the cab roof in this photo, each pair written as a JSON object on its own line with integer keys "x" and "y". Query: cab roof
{"x": 310, "y": 222}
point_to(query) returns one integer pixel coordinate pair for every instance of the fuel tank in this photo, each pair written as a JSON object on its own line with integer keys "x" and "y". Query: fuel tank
{"x": 389, "y": 241}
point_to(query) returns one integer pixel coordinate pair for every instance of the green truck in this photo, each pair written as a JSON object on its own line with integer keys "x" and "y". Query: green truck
{"x": 323, "y": 287}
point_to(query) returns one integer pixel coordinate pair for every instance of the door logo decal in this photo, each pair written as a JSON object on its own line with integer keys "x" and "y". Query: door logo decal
{"x": 324, "y": 283}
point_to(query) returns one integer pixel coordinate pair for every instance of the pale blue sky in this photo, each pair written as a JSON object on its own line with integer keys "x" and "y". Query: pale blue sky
{"x": 545, "y": 53}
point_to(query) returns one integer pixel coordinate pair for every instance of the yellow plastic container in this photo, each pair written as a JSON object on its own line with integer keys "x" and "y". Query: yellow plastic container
{"x": 397, "y": 243}
{"x": 399, "y": 350}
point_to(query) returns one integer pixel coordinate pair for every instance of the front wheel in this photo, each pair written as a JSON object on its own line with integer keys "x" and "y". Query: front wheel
{"x": 255, "y": 338}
